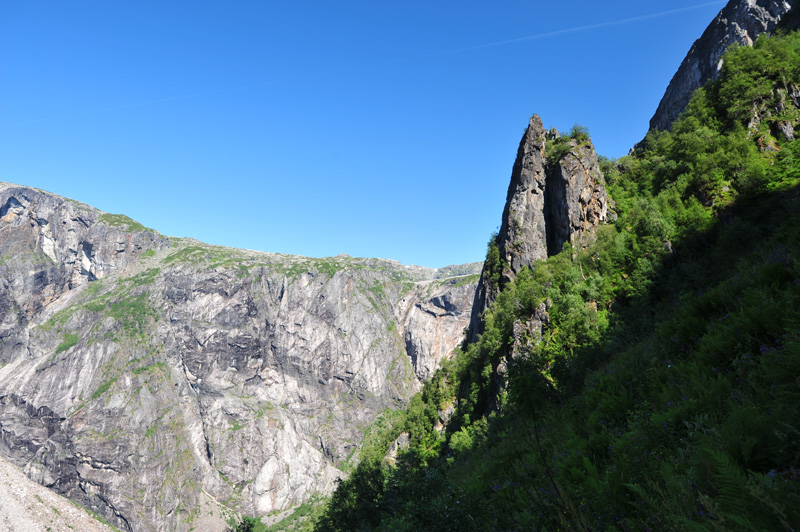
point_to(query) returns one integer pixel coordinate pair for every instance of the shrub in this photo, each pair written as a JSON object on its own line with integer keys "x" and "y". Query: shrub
{"x": 69, "y": 340}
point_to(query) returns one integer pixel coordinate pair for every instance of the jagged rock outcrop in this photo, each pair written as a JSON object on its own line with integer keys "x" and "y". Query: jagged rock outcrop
{"x": 740, "y": 21}
{"x": 143, "y": 375}
{"x": 435, "y": 322}
{"x": 550, "y": 201}
{"x": 522, "y": 238}
{"x": 72, "y": 246}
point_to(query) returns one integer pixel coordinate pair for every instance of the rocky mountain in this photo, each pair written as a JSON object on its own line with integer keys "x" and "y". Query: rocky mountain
{"x": 556, "y": 195}
{"x": 152, "y": 379}
{"x": 740, "y": 21}
{"x": 647, "y": 377}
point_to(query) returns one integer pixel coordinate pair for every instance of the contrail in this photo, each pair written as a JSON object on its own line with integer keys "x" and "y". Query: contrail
{"x": 318, "y": 75}
{"x": 582, "y": 28}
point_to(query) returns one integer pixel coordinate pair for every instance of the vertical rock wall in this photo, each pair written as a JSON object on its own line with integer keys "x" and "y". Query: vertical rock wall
{"x": 549, "y": 202}
{"x": 143, "y": 376}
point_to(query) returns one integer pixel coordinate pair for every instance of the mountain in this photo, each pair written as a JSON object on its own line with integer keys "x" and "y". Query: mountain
{"x": 152, "y": 379}
{"x": 740, "y": 21}
{"x": 640, "y": 374}
{"x": 631, "y": 362}
{"x": 556, "y": 195}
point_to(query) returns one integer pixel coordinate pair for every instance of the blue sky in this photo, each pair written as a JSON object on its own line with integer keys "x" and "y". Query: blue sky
{"x": 378, "y": 129}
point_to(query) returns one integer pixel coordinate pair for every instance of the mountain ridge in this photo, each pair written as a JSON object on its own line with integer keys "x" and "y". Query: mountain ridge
{"x": 740, "y": 21}
{"x": 139, "y": 363}
{"x": 644, "y": 380}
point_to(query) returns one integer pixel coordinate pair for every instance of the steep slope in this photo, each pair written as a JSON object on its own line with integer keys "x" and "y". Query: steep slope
{"x": 143, "y": 374}
{"x": 26, "y": 506}
{"x": 661, "y": 390}
{"x": 740, "y": 21}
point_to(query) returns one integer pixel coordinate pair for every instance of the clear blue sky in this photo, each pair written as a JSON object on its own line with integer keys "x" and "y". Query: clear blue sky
{"x": 379, "y": 129}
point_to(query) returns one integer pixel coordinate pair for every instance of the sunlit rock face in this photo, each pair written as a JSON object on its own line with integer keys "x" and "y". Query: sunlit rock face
{"x": 153, "y": 379}
{"x": 550, "y": 202}
{"x": 741, "y": 21}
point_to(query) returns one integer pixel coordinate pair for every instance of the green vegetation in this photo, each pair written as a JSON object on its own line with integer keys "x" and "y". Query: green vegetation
{"x": 146, "y": 277}
{"x": 151, "y": 368}
{"x": 120, "y": 220}
{"x": 94, "y": 515}
{"x": 133, "y": 314}
{"x": 662, "y": 395}
{"x": 125, "y": 302}
{"x": 379, "y": 435}
{"x": 103, "y": 388}
{"x": 246, "y": 524}
{"x": 302, "y": 519}
{"x": 327, "y": 266}
{"x": 69, "y": 340}
{"x": 58, "y": 320}
{"x": 467, "y": 279}
{"x": 198, "y": 253}
{"x": 557, "y": 148}
{"x": 95, "y": 306}
{"x": 217, "y": 256}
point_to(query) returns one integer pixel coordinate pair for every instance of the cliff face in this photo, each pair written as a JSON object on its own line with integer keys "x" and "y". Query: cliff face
{"x": 151, "y": 378}
{"x": 550, "y": 201}
{"x": 741, "y": 21}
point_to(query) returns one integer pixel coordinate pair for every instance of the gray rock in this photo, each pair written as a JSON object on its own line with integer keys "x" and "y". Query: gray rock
{"x": 523, "y": 233}
{"x": 435, "y": 322}
{"x": 143, "y": 375}
{"x": 785, "y": 128}
{"x": 401, "y": 443}
{"x": 548, "y": 204}
{"x": 576, "y": 200}
{"x": 740, "y": 21}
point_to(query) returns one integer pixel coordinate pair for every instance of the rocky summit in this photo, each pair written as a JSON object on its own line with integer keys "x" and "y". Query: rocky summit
{"x": 155, "y": 380}
{"x": 740, "y": 21}
{"x": 556, "y": 195}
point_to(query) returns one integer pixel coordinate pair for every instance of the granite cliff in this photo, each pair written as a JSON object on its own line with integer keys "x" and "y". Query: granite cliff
{"x": 740, "y": 21}
{"x": 158, "y": 381}
{"x": 556, "y": 195}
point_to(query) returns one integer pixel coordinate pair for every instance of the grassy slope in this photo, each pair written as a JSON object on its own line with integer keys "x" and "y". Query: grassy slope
{"x": 664, "y": 393}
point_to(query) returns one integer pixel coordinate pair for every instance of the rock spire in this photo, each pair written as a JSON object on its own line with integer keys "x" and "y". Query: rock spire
{"x": 551, "y": 200}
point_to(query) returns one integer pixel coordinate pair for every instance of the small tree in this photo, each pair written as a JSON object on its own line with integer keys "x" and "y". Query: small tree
{"x": 579, "y": 133}
{"x": 246, "y": 524}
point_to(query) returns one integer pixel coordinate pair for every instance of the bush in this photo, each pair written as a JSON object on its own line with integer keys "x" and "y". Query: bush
{"x": 69, "y": 340}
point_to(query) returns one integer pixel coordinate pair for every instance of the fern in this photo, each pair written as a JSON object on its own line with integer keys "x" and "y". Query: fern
{"x": 749, "y": 501}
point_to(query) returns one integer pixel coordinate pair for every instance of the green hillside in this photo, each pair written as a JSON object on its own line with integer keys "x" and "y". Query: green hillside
{"x": 664, "y": 392}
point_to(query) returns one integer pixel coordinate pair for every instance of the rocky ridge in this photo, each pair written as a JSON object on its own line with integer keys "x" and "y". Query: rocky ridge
{"x": 740, "y": 21}
{"x": 556, "y": 195}
{"x": 145, "y": 376}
